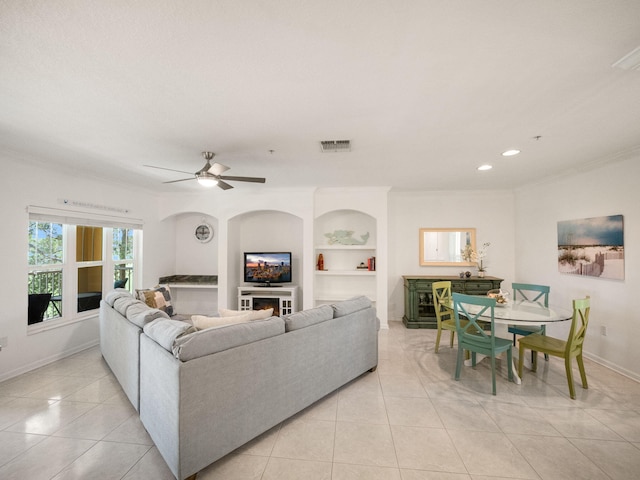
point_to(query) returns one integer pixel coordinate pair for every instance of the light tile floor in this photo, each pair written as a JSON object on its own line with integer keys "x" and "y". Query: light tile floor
{"x": 409, "y": 420}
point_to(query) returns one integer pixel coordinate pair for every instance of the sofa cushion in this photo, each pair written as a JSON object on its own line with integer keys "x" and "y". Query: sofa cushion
{"x": 306, "y": 318}
{"x": 340, "y": 309}
{"x": 253, "y": 314}
{"x": 122, "y": 304}
{"x": 201, "y": 321}
{"x": 213, "y": 340}
{"x": 140, "y": 314}
{"x": 158, "y": 297}
{"x": 166, "y": 331}
{"x": 113, "y": 295}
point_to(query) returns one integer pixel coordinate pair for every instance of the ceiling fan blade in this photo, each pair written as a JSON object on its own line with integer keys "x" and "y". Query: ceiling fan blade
{"x": 218, "y": 168}
{"x": 170, "y": 169}
{"x": 181, "y": 180}
{"x": 224, "y": 185}
{"x": 243, "y": 179}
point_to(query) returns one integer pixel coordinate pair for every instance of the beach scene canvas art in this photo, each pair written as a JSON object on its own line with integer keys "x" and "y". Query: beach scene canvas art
{"x": 592, "y": 247}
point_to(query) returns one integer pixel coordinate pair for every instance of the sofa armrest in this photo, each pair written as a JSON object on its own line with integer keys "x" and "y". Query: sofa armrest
{"x": 165, "y": 332}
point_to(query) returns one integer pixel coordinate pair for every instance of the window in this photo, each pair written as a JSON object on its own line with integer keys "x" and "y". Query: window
{"x": 89, "y": 241}
{"x": 70, "y": 266}
{"x": 46, "y": 260}
{"x": 122, "y": 248}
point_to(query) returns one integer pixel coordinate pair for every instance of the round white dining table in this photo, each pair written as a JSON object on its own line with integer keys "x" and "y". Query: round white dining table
{"x": 521, "y": 312}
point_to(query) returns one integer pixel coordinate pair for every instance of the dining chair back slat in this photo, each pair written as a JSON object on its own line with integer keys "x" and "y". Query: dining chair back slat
{"x": 536, "y": 292}
{"x": 532, "y": 293}
{"x": 444, "y": 311}
{"x": 571, "y": 348}
{"x": 472, "y": 335}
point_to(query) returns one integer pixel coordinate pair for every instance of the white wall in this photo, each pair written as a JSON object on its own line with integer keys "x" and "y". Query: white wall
{"x": 490, "y": 213}
{"x": 22, "y": 185}
{"x": 608, "y": 190}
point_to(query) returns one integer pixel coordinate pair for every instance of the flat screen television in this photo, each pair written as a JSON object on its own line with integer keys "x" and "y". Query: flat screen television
{"x": 267, "y": 268}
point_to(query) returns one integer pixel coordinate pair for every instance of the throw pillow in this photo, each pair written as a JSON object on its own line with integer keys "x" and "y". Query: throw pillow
{"x": 253, "y": 314}
{"x": 201, "y": 321}
{"x": 120, "y": 283}
{"x": 158, "y": 297}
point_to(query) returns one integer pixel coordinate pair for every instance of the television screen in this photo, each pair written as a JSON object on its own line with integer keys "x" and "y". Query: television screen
{"x": 267, "y": 267}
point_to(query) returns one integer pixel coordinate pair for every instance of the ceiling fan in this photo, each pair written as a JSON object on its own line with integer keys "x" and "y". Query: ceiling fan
{"x": 211, "y": 175}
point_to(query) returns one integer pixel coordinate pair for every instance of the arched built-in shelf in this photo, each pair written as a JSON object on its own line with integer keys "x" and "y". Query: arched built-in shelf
{"x": 341, "y": 278}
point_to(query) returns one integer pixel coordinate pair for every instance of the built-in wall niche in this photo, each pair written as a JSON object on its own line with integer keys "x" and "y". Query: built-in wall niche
{"x": 263, "y": 231}
{"x": 193, "y": 255}
{"x": 346, "y": 242}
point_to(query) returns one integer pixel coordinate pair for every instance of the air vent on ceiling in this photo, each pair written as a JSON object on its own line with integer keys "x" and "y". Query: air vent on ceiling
{"x": 335, "y": 146}
{"x": 631, "y": 61}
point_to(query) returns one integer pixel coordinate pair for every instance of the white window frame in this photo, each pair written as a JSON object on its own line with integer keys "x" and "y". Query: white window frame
{"x": 70, "y": 265}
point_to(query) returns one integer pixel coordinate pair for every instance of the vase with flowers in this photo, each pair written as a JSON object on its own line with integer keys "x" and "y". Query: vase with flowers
{"x": 477, "y": 257}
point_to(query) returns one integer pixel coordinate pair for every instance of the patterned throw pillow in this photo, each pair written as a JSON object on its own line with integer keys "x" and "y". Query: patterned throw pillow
{"x": 158, "y": 297}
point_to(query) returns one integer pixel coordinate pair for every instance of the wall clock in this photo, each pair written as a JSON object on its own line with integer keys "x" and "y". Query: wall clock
{"x": 203, "y": 232}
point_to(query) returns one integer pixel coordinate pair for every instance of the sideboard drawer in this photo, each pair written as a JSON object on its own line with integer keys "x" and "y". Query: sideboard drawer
{"x": 480, "y": 287}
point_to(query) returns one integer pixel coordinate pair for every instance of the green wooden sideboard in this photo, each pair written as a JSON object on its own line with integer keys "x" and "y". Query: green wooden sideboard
{"x": 419, "y": 311}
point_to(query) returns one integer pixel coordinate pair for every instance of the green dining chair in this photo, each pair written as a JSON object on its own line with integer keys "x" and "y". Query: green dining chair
{"x": 444, "y": 310}
{"x": 532, "y": 293}
{"x": 568, "y": 349}
{"x": 472, "y": 336}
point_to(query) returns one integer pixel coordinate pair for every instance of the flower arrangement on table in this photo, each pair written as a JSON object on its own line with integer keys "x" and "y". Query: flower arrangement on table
{"x": 470, "y": 255}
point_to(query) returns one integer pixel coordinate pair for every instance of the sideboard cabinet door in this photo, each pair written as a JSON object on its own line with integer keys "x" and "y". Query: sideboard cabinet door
{"x": 419, "y": 311}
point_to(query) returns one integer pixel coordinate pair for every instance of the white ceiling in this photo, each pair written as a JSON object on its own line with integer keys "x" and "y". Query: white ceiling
{"x": 425, "y": 90}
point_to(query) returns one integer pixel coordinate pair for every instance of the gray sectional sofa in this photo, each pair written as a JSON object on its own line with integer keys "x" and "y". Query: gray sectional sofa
{"x": 121, "y": 320}
{"x": 202, "y": 394}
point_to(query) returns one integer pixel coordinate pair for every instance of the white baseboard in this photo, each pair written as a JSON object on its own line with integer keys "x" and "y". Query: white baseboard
{"x": 46, "y": 361}
{"x": 612, "y": 366}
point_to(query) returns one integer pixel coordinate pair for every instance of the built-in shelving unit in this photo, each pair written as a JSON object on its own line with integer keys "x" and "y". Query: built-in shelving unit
{"x": 341, "y": 277}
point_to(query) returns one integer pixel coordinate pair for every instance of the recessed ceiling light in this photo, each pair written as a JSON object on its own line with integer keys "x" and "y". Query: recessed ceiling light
{"x": 485, "y": 167}
{"x": 510, "y": 153}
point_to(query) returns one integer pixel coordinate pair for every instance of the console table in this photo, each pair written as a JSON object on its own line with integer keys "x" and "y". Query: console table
{"x": 283, "y": 300}
{"x": 419, "y": 311}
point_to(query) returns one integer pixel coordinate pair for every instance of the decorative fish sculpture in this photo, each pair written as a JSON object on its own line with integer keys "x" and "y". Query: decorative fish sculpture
{"x": 345, "y": 237}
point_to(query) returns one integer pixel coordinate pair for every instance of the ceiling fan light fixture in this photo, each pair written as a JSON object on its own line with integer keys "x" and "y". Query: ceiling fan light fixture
{"x": 207, "y": 181}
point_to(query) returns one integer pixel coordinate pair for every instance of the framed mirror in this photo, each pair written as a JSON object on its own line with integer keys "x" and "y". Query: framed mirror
{"x": 443, "y": 246}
